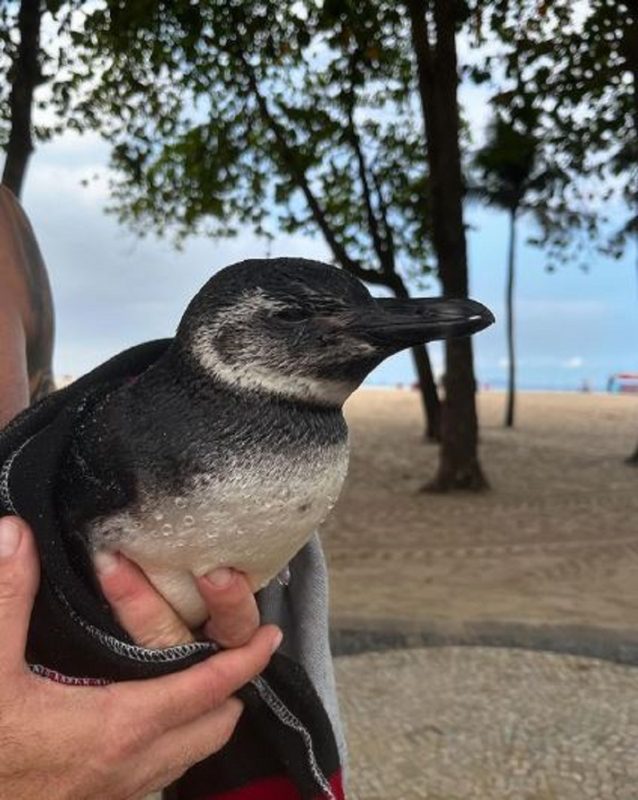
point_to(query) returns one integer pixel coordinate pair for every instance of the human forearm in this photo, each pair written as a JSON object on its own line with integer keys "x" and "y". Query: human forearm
{"x": 14, "y": 383}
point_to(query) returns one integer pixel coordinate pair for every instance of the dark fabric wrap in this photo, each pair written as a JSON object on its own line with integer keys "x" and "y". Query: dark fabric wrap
{"x": 284, "y": 731}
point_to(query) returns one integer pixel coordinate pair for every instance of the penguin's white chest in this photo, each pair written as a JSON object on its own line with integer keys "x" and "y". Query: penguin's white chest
{"x": 254, "y": 518}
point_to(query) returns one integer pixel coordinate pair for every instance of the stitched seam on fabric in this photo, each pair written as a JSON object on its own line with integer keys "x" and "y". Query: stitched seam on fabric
{"x": 135, "y": 652}
{"x": 67, "y": 680}
{"x": 5, "y": 473}
{"x": 285, "y": 715}
{"x": 5, "y": 492}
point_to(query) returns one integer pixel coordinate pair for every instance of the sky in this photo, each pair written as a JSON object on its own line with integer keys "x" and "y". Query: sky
{"x": 113, "y": 289}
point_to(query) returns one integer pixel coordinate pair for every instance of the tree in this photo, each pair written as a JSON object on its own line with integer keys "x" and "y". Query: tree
{"x": 505, "y": 176}
{"x": 580, "y": 62}
{"x": 25, "y": 64}
{"x": 433, "y": 27}
{"x": 227, "y": 115}
{"x": 24, "y": 77}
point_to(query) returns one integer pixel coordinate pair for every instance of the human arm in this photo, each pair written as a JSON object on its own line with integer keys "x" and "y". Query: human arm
{"x": 26, "y": 312}
{"x": 14, "y": 383}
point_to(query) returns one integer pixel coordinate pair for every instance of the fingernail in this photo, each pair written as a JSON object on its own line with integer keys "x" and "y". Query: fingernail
{"x": 220, "y": 577}
{"x": 105, "y": 562}
{"x": 279, "y": 637}
{"x": 10, "y": 535}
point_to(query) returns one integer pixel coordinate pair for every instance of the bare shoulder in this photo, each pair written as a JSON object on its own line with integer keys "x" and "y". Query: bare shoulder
{"x": 24, "y": 286}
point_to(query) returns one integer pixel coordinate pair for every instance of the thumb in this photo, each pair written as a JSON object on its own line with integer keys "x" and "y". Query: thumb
{"x": 19, "y": 573}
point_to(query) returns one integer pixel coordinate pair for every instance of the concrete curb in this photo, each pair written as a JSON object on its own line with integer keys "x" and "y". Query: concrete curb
{"x": 350, "y": 636}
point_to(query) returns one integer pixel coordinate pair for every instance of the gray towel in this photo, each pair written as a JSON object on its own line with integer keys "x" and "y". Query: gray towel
{"x": 299, "y": 605}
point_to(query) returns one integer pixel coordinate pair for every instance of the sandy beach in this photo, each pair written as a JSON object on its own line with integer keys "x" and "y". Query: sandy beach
{"x": 555, "y": 541}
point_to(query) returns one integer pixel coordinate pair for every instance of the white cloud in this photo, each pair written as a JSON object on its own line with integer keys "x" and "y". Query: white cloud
{"x": 575, "y": 362}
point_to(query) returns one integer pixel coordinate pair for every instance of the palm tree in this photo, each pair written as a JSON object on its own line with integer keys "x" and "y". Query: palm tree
{"x": 505, "y": 173}
{"x": 629, "y": 230}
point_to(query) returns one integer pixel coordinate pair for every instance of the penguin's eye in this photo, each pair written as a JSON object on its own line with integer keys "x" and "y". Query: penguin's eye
{"x": 292, "y": 315}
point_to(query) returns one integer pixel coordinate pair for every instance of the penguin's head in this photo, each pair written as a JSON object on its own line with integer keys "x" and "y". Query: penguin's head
{"x": 307, "y": 331}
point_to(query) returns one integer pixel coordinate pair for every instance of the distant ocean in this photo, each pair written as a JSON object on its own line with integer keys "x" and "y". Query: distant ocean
{"x": 571, "y": 375}
{"x": 546, "y": 384}
{"x": 501, "y": 387}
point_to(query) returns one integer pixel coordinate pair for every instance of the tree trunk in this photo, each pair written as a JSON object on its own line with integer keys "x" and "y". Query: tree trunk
{"x": 25, "y": 77}
{"x": 459, "y": 466}
{"x": 633, "y": 66}
{"x": 425, "y": 377}
{"x": 509, "y": 302}
{"x": 429, "y": 394}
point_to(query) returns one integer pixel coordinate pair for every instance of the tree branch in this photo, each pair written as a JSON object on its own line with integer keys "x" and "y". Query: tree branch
{"x": 301, "y": 179}
{"x": 383, "y": 210}
{"x": 380, "y": 245}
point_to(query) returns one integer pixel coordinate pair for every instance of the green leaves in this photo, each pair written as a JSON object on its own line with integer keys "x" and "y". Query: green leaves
{"x": 506, "y": 164}
{"x": 578, "y": 63}
{"x": 257, "y": 114}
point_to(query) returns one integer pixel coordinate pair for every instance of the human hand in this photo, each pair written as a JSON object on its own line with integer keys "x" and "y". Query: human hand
{"x": 119, "y": 741}
{"x": 152, "y": 622}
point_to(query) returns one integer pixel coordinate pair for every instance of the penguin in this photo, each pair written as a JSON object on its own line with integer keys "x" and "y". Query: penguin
{"x": 231, "y": 449}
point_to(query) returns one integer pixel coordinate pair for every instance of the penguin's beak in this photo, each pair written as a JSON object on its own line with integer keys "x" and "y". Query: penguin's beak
{"x": 399, "y": 323}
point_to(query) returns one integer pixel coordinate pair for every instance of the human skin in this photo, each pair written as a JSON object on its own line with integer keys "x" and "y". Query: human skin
{"x": 26, "y": 310}
{"x": 128, "y": 739}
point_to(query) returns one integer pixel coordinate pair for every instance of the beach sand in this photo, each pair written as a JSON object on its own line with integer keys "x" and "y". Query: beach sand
{"x": 555, "y": 541}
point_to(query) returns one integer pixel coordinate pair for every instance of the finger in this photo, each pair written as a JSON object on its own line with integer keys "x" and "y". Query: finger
{"x": 19, "y": 574}
{"x": 188, "y": 744}
{"x": 139, "y": 608}
{"x": 232, "y": 608}
{"x": 171, "y": 701}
